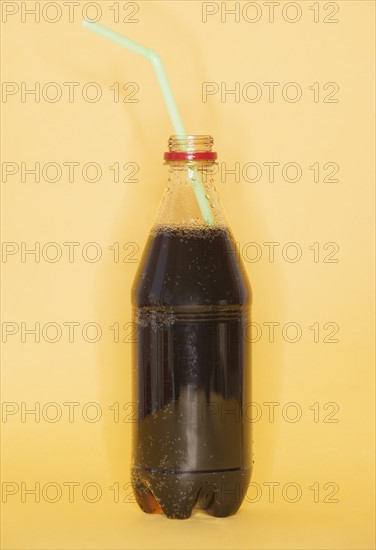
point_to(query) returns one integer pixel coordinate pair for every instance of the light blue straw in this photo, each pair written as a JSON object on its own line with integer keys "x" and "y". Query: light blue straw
{"x": 168, "y": 97}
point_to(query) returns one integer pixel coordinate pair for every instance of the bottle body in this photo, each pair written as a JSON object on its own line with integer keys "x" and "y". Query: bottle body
{"x": 191, "y": 442}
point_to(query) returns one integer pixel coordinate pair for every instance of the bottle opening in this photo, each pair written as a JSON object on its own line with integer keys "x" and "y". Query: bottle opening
{"x": 190, "y": 148}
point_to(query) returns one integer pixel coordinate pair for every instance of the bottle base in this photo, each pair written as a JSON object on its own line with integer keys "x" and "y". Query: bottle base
{"x": 175, "y": 494}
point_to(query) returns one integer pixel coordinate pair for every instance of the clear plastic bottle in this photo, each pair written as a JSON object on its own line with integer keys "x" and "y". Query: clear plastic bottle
{"x": 191, "y": 362}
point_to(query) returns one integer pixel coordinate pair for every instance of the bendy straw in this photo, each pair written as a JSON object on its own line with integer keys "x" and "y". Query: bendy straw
{"x": 168, "y": 97}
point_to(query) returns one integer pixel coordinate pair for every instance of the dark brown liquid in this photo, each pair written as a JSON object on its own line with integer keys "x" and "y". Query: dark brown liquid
{"x": 191, "y": 443}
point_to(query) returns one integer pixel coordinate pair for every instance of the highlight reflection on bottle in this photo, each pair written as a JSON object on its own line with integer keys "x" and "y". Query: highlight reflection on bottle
{"x": 191, "y": 298}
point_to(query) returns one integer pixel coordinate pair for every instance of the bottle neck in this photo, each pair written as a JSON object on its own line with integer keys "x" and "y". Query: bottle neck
{"x": 179, "y": 206}
{"x": 190, "y": 199}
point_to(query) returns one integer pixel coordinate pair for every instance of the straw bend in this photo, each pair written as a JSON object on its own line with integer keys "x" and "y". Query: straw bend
{"x": 154, "y": 58}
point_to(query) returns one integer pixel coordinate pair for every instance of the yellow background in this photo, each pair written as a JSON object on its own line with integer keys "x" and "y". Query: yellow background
{"x": 305, "y": 292}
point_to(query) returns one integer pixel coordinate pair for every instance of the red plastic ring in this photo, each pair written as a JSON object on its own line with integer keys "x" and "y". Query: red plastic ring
{"x": 181, "y": 155}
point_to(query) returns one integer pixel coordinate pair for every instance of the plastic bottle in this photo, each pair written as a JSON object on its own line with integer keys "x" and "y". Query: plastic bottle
{"x": 191, "y": 363}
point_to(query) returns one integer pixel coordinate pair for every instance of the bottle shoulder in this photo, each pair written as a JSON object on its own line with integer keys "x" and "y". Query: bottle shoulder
{"x": 191, "y": 267}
